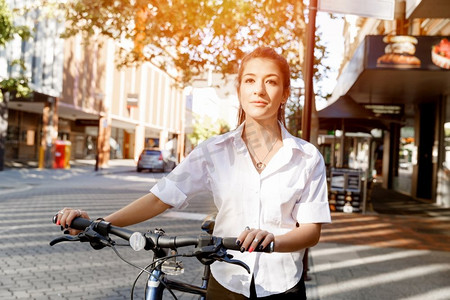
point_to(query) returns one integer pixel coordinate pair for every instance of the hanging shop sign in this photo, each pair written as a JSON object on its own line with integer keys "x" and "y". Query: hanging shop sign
{"x": 408, "y": 52}
{"x": 132, "y": 100}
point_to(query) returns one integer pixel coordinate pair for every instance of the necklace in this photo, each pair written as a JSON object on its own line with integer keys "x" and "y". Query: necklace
{"x": 260, "y": 164}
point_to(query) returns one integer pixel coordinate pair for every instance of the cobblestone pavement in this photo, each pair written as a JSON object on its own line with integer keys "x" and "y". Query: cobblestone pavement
{"x": 399, "y": 251}
{"x": 399, "y": 231}
{"x": 31, "y": 269}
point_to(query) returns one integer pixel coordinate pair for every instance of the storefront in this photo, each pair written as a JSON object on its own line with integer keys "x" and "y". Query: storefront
{"x": 23, "y": 136}
{"x": 412, "y": 93}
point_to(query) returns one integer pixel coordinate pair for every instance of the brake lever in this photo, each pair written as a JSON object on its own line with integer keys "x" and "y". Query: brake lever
{"x": 65, "y": 238}
{"x": 96, "y": 240}
{"x": 225, "y": 257}
{"x": 209, "y": 254}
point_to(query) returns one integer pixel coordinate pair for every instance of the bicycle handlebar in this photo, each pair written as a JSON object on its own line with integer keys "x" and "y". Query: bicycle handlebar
{"x": 157, "y": 240}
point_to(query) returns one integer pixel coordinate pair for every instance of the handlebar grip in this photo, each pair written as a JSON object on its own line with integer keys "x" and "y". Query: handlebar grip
{"x": 80, "y": 223}
{"x": 230, "y": 243}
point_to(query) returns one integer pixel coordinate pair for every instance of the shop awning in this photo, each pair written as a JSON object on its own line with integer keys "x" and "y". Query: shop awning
{"x": 346, "y": 114}
{"x": 427, "y": 9}
{"x": 345, "y": 107}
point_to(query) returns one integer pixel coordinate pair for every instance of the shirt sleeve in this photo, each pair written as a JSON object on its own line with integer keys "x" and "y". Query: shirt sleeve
{"x": 186, "y": 181}
{"x": 313, "y": 206}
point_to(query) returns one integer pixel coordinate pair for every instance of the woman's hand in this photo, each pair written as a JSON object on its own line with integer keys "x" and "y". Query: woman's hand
{"x": 65, "y": 217}
{"x": 251, "y": 239}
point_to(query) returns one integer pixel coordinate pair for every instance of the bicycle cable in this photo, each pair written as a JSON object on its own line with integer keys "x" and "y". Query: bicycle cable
{"x": 143, "y": 270}
{"x": 148, "y": 266}
{"x": 137, "y": 278}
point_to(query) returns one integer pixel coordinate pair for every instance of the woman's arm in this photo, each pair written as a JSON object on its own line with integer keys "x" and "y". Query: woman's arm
{"x": 305, "y": 236}
{"x": 138, "y": 211}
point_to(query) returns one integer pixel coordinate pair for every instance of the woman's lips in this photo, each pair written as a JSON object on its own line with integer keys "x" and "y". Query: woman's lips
{"x": 259, "y": 103}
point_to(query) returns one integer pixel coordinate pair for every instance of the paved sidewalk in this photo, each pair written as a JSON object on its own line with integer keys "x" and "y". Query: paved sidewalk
{"x": 16, "y": 178}
{"x": 401, "y": 250}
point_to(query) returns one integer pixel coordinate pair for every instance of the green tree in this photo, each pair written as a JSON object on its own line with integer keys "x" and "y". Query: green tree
{"x": 13, "y": 86}
{"x": 186, "y": 35}
{"x": 294, "y": 113}
{"x": 204, "y": 128}
{"x": 16, "y": 86}
{"x": 293, "y": 106}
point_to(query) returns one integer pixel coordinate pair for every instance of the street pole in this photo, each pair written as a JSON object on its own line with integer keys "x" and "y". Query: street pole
{"x": 100, "y": 138}
{"x": 309, "y": 71}
{"x": 50, "y": 130}
{"x": 309, "y": 92}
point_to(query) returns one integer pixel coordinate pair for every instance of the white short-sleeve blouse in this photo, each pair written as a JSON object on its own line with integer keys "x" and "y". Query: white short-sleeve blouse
{"x": 291, "y": 189}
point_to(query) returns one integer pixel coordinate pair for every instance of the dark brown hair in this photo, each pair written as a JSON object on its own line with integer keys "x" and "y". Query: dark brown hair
{"x": 268, "y": 53}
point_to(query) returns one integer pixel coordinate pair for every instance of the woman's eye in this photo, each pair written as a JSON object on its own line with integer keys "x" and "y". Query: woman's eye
{"x": 249, "y": 80}
{"x": 272, "y": 82}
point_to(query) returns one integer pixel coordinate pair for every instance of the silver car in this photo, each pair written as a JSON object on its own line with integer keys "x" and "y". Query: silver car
{"x": 160, "y": 160}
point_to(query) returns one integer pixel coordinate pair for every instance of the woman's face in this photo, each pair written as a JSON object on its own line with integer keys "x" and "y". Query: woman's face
{"x": 261, "y": 89}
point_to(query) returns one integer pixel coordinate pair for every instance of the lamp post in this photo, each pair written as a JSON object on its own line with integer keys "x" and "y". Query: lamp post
{"x": 309, "y": 71}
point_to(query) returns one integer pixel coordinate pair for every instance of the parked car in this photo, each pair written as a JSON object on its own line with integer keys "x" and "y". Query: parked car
{"x": 160, "y": 160}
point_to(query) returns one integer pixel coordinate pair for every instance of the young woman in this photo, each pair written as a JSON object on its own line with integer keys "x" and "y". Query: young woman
{"x": 267, "y": 186}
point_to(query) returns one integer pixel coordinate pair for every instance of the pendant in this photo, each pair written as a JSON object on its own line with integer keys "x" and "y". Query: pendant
{"x": 260, "y": 165}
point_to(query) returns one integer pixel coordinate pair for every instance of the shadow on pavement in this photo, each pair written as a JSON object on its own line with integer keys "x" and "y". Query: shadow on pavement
{"x": 394, "y": 203}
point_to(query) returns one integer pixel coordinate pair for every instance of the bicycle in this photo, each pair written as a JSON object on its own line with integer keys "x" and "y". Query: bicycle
{"x": 207, "y": 249}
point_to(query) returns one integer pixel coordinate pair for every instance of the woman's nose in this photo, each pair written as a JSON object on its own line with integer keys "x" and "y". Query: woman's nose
{"x": 260, "y": 88}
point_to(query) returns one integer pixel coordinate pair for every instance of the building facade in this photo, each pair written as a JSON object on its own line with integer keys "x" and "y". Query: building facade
{"x": 400, "y": 70}
{"x": 26, "y": 132}
{"x": 134, "y": 108}
{"x": 82, "y": 100}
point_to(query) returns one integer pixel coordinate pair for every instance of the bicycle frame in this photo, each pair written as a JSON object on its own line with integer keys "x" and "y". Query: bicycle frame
{"x": 155, "y": 289}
